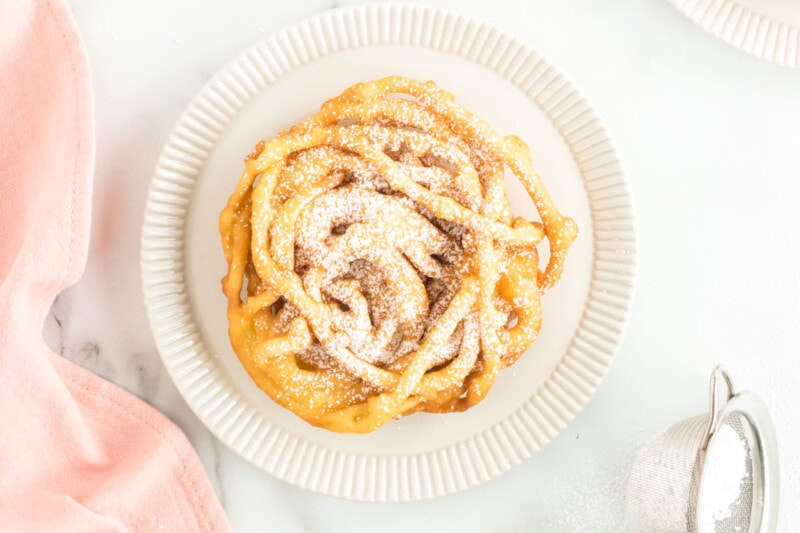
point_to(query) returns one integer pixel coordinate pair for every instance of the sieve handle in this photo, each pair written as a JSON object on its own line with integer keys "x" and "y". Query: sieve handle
{"x": 719, "y": 378}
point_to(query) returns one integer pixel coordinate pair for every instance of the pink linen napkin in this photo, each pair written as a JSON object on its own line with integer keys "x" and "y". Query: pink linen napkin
{"x": 77, "y": 453}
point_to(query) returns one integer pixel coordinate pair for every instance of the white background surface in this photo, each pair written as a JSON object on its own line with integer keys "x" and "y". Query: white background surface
{"x": 711, "y": 143}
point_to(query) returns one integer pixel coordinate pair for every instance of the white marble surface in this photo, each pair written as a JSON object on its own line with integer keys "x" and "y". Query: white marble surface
{"x": 711, "y": 141}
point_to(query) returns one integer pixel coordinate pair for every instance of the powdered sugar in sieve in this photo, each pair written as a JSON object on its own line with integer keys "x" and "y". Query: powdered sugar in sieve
{"x": 727, "y": 490}
{"x": 715, "y": 473}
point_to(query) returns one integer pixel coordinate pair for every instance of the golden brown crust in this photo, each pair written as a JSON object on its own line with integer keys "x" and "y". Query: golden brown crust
{"x": 374, "y": 266}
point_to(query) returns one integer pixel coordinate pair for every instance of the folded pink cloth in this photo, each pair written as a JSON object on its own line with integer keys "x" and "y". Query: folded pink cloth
{"x": 76, "y": 452}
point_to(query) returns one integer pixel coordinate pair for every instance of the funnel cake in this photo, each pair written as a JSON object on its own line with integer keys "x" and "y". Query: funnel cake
{"x": 375, "y": 268}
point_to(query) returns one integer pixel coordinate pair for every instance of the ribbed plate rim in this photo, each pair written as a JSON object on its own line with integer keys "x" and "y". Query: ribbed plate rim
{"x": 496, "y": 449}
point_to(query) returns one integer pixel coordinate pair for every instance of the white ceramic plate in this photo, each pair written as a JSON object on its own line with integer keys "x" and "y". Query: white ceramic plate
{"x": 769, "y": 29}
{"x": 284, "y": 79}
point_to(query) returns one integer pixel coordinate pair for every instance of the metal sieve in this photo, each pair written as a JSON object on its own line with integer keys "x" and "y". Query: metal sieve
{"x": 712, "y": 473}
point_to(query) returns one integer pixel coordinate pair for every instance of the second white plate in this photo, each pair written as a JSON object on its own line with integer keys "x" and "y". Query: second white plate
{"x": 284, "y": 79}
{"x": 768, "y": 29}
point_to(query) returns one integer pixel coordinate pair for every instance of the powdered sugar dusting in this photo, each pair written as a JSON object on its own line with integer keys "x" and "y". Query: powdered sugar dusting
{"x": 382, "y": 240}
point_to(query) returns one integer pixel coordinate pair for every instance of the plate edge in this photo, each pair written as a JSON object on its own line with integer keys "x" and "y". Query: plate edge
{"x": 449, "y": 480}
